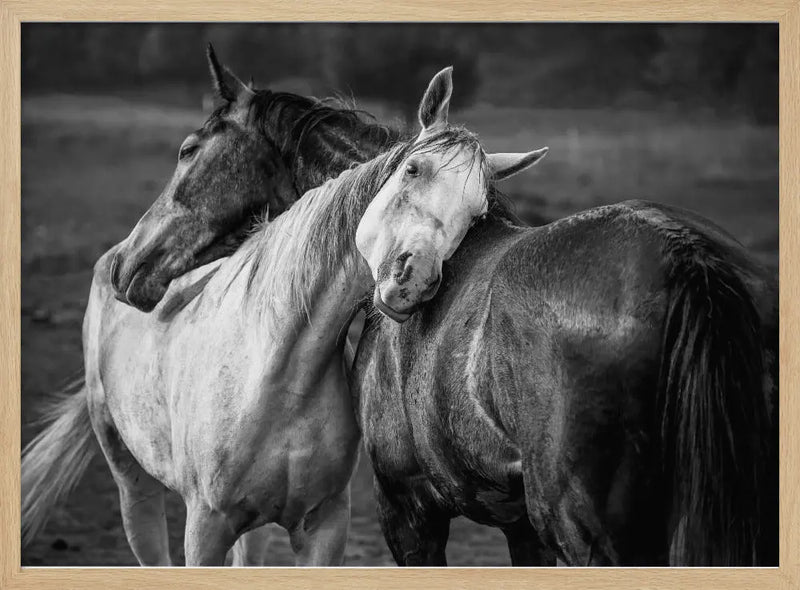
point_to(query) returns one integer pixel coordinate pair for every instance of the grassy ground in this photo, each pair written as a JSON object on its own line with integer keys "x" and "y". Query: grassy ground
{"x": 92, "y": 165}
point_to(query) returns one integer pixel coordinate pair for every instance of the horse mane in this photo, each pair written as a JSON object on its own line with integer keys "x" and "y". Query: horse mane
{"x": 502, "y": 207}
{"x": 306, "y": 246}
{"x": 307, "y": 115}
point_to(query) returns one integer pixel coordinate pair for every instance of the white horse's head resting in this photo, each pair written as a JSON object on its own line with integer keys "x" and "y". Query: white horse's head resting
{"x": 420, "y": 215}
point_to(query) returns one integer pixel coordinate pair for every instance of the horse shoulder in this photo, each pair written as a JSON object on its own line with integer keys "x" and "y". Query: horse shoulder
{"x": 131, "y": 368}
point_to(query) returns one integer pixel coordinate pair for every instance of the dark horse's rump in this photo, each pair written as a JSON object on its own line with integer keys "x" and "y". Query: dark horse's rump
{"x": 610, "y": 363}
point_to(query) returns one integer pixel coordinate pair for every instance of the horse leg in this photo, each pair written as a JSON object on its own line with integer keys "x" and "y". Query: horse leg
{"x": 141, "y": 497}
{"x": 209, "y": 535}
{"x": 144, "y": 517}
{"x": 319, "y": 539}
{"x": 525, "y": 547}
{"x": 623, "y": 524}
{"x": 415, "y": 529}
{"x": 250, "y": 550}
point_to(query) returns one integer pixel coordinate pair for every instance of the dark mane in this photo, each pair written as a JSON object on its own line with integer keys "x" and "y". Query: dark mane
{"x": 315, "y": 133}
{"x": 501, "y": 206}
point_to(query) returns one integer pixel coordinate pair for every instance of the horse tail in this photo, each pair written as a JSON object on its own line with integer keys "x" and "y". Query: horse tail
{"x": 715, "y": 422}
{"x": 54, "y": 461}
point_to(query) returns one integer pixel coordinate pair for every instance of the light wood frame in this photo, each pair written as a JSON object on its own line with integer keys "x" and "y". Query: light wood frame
{"x": 13, "y": 12}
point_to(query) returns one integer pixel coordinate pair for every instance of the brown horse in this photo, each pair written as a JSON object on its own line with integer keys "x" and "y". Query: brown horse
{"x": 606, "y": 378}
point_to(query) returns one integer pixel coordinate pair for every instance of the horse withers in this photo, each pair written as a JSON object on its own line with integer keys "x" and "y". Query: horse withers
{"x": 608, "y": 379}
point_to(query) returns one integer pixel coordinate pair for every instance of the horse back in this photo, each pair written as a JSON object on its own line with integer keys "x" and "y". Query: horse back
{"x": 608, "y": 267}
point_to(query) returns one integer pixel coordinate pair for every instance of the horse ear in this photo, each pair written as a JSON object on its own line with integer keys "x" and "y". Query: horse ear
{"x": 218, "y": 77}
{"x": 504, "y": 165}
{"x": 436, "y": 100}
{"x": 228, "y": 87}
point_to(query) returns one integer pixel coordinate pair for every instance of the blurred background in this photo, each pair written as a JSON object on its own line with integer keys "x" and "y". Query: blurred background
{"x": 684, "y": 114}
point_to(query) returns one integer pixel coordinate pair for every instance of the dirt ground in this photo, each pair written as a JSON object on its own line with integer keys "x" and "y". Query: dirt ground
{"x": 92, "y": 165}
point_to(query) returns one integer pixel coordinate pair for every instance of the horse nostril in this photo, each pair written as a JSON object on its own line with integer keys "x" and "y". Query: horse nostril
{"x": 402, "y": 270}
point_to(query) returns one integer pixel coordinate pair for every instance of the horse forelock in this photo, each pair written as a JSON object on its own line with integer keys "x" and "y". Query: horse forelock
{"x": 499, "y": 205}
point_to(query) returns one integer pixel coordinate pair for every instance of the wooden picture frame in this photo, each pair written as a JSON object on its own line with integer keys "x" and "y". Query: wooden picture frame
{"x": 14, "y": 12}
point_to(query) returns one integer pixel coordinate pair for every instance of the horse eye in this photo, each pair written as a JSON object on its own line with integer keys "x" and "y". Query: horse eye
{"x": 412, "y": 169}
{"x": 187, "y": 151}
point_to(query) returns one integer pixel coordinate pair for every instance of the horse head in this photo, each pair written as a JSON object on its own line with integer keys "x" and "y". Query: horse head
{"x": 228, "y": 173}
{"x": 420, "y": 215}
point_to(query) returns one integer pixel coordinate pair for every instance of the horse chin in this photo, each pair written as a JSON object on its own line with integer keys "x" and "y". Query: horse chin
{"x": 397, "y": 316}
{"x": 145, "y": 291}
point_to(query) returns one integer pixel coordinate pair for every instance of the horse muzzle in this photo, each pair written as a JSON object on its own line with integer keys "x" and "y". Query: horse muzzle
{"x": 137, "y": 286}
{"x": 407, "y": 283}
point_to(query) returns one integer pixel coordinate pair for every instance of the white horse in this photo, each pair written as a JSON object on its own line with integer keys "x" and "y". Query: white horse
{"x": 233, "y": 391}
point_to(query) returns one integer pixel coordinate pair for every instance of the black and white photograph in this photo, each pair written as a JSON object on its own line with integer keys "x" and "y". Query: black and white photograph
{"x": 399, "y": 294}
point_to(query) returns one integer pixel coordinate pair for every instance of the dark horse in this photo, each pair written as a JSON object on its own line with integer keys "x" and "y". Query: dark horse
{"x": 605, "y": 378}
{"x": 611, "y": 398}
{"x": 609, "y": 379}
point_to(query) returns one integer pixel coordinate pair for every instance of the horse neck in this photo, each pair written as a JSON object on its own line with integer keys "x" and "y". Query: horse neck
{"x": 333, "y": 280}
{"x": 312, "y": 345}
{"x": 330, "y": 312}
